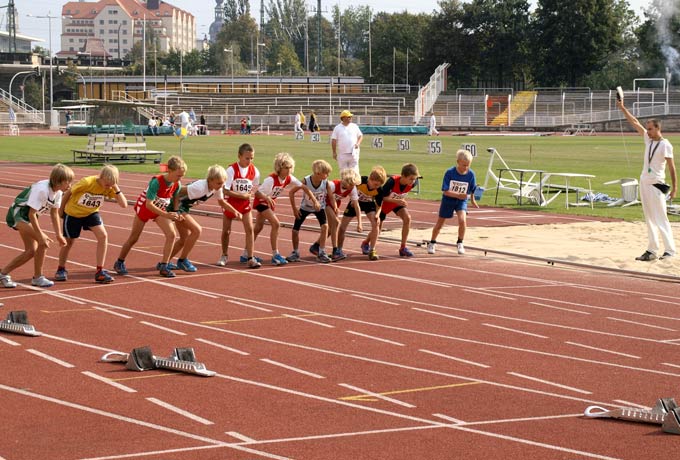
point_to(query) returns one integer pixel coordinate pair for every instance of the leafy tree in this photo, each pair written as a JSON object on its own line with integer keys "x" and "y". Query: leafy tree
{"x": 235, "y": 9}
{"x": 240, "y": 35}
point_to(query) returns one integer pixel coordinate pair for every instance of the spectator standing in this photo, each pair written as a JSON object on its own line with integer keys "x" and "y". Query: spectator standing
{"x": 433, "y": 126}
{"x": 345, "y": 142}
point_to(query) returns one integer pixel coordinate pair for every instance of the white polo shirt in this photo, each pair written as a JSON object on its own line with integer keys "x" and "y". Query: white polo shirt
{"x": 346, "y": 138}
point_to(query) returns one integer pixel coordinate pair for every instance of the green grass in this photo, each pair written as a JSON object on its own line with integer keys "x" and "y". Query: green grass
{"x": 606, "y": 157}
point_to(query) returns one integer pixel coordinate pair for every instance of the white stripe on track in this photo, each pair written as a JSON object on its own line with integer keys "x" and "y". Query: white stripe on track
{"x": 440, "y": 314}
{"x": 179, "y": 411}
{"x": 377, "y": 395}
{"x": 603, "y": 350}
{"x": 641, "y": 324}
{"x": 291, "y": 368}
{"x": 376, "y": 338}
{"x": 50, "y": 358}
{"x": 162, "y": 328}
{"x": 516, "y": 331}
{"x": 9, "y": 342}
{"x": 548, "y": 382}
{"x": 109, "y": 382}
{"x": 223, "y": 347}
{"x": 111, "y": 312}
{"x": 308, "y": 321}
{"x": 453, "y": 358}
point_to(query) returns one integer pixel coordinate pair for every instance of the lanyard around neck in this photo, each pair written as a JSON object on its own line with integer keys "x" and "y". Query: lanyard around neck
{"x": 650, "y": 152}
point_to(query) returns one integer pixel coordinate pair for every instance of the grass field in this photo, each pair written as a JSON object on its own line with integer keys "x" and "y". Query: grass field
{"x": 606, "y": 157}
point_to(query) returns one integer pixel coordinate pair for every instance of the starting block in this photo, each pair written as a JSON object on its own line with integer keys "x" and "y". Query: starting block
{"x": 17, "y": 323}
{"x": 665, "y": 413}
{"x": 142, "y": 359}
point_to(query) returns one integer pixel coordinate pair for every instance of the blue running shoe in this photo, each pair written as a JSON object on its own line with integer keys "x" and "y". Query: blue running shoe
{"x": 365, "y": 248}
{"x": 166, "y": 272}
{"x": 405, "y": 252}
{"x": 184, "y": 264}
{"x": 278, "y": 259}
{"x": 323, "y": 257}
{"x": 293, "y": 257}
{"x": 61, "y": 275}
{"x": 245, "y": 259}
{"x": 171, "y": 266}
{"x": 314, "y": 249}
{"x": 120, "y": 267}
{"x": 338, "y": 255}
{"x": 103, "y": 277}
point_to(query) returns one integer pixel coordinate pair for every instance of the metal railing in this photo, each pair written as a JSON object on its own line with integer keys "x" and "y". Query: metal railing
{"x": 23, "y": 112}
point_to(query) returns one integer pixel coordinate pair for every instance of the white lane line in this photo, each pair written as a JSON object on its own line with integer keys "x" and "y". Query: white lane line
{"x": 603, "y": 350}
{"x": 440, "y": 314}
{"x": 375, "y": 299}
{"x": 291, "y": 368}
{"x": 479, "y": 291}
{"x": 9, "y": 342}
{"x": 243, "y": 304}
{"x": 158, "y": 452}
{"x": 376, "y": 338}
{"x": 308, "y": 321}
{"x": 377, "y": 395}
{"x": 450, "y": 419}
{"x": 179, "y": 411}
{"x": 441, "y": 355}
{"x": 223, "y": 347}
{"x": 548, "y": 382}
{"x": 524, "y": 419}
{"x": 661, "y": 301}
{"x": 75, "y": 342}
{"x": 515, "y": 330}
{"x": 50, "y": 358}
{"x": 109, "y": 382}
{"x": 641, "y": 324}
{"x": 670, "y": 340}
{"x": 631, "y": 404}
{"x": 237, "y": 435}
{"x": 671, "y": 365}
{"x": 111, "y": 312}
{"x": 166, "y": 329}
{"x": 559, "y": 308}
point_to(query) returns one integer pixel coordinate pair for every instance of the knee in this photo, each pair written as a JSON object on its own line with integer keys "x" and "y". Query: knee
{"x": 275, "y": 224}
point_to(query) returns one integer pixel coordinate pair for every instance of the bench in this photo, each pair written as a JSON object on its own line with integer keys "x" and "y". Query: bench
{"x": 114, "y": 148}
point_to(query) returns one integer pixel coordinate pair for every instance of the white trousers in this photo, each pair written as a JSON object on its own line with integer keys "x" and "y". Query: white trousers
{"x": 348, "y": 160}
{"x": 297, "y": 128}
{"x": 654, "y": 209}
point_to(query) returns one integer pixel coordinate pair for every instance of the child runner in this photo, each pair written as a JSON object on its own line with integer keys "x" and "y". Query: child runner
{"x": 370, "y": 199}
{"x": 459, "y": 182}
{"x": 153, "y": 204}
{"x": 189, "y": 230}
{"x": 317, "y": 183}
{"x": 340, "y": 188}
{"x": 80, "y": 210}
{"x": 394, "y": 193}
{"x": 265, "y": 198}
{"x": 41, "y": 197}
{"x": 242, "y": 176}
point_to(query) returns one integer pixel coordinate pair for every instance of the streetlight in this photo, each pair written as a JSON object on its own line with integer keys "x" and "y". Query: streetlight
{"x": 280, "y": 76}
{"x": 49, "y": 18}
{"x": 89, "y": 66}
{"x": 257, "y": 90}
{"x": 279, "y": 64}
{"x": 231, "y": 62}
{"x": 370, "y": 63}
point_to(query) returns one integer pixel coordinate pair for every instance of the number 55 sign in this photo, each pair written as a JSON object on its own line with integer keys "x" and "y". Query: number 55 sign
{"x": 434, "y": 147}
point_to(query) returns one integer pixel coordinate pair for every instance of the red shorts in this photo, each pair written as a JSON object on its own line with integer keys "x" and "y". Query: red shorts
{"x": 242, "y": 206}
{"x": 143, "y": 213}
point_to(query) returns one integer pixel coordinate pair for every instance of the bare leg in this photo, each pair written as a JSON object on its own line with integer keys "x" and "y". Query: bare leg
{"x": 170, "y": 233}
{"x": 226, "y": 232}
{"x": 102, "y": 243}
{"x": 437, "y": 228}
{"x": 136, "y": 231}
{"x": 250, "y": 236}
{"x": 405, "y": 226}
{"x": 462, "y": 224}
{"x": 194, "y": 230}
{"x": 30, "y": 240}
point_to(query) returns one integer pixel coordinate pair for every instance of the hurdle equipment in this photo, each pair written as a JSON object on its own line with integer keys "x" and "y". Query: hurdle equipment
{"x": 142, "y": 359}
{"x": 17, "y": 323}
{"x": 665, "y": 413}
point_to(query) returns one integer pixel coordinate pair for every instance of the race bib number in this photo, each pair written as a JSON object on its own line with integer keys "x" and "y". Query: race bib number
{"x": 434, "y": 147}
{"x": 45, "y": 208}
{"x": 458, "y": 187}
{"x": 161, "y": 203}
{"x": 378, "y": 143}
{"x": 242, "y": 185}
{"x": 299, "y": 135}
{"x": 404, "y": 145}
{"x": 276, "y": 192}
{"x": 316, "y": 137}
{"x": 91, "y": 201}
{"x": 397, "y": 196}
{"x": 472, "y": 148}
{"x": 320, "y": 196}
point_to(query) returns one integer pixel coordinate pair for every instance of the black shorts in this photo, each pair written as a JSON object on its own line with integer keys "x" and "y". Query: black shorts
{"x": 320, "y": 216}
{"x": 261, "y": 207}
{"x": 366, "y": 206}
{"x": 396, "y": 210}
{"x": 73, "y": 225}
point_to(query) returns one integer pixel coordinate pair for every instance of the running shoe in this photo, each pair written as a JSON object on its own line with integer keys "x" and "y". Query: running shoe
{"x": 183, "y": 264}
{"x": 431, "y": 248}
{"x": 293, "y": 257}
{"x": 666, "y": 255}
{"x": 338, "y": 255}
{"x": 42, "y": 282}
{"x": 223, "y": 261}
{"x": 166, "y": 272}
{"x": 7, "y": 282}
{"x": 120, "y": 267}
{"x": 61, "y": 275}
{"x": 171, "y": 266}
{"x": 314, "y": 249}
{"x": 323, "y": 257}
{"x": 365, "y": 248}
{"x": 103, "y": 277}
{"x": 373, "y": 255}
{"x": 254, "y": 263}
{"x": 461, "y": 248}
{"x": 278, "y": 259}
{"x": 405, "y": 252}
{"x": 646, "y": 257}
{"x": 245, "y": 259}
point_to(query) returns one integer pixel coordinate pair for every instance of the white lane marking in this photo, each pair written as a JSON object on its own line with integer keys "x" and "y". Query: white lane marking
{"x": 377, "y": 395}
{"x": 603, "y": 350}
{"x": 158, "y": 452}
{"x": 671, "y": 365}
{"x": 308, "y": 320}
{"x": 243, "y": 304}
{"x": 111, "y": 312}
{"x": 548, "y": 382}
{"x": 179, "y": 411}
{"x": 455, "y": 359}
{"x": 560, "y": 308}
{"x": 641, "y": 324}
{"x": 631, "y": 404}
{"x": 376, "y": 338}
{"x": 450, "y": 419}
{"x": 515, "y": 330}
{"x": 440, "y": 314}
{"x": 223, "y": 347}
{"x": 166, "y": 329}
{"x": 50, "y": 358}
{"x": 670, "y": 340}
{"x": 109, "y": 382}
{"x": 479, "y": 291}
{"x": 9, "y": 342}
{"x": 291, "y": 368}
{"x": 661, "y": 301}
{"x": 524, "y": 419}
{"x": 237, "y": 435}
{"x": 374, "y": 299}
{"x": 75, "y": 342}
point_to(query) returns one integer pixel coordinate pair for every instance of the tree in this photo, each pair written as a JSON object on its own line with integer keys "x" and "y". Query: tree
{"x": 240, "y": 35}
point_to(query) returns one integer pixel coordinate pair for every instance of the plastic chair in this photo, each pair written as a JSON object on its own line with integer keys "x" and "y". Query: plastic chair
{"x": 630, "y": 189}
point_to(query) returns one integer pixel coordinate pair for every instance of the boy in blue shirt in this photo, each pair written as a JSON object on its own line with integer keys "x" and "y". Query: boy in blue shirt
{"x": 459, "y": 182}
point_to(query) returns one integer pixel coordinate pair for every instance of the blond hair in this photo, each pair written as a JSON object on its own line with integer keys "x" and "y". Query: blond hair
{"x": 60, "y": 173}
{"x": 216, "y": 172}
{"x": 109, "y": 173}
{"x": 378, "y": 173}
{"x": 321, "y": 167}
{"x": 283, "y": 160}
{"x": 464, "y": 155}
{"x": 350, "y": 176}
{"x": 175, "y": 163}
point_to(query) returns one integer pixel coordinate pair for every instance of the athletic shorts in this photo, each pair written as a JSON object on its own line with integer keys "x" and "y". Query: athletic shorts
{"x": 320, "y": 216}
{"x": 242, "y": 206}
{"x": 16, "y": 214}
{"x": 144, "y": 213}
{"x": 262, "y": 207}
{"x": 366, "y": 206}
{"x": 72, "y": 226}
{"x": 396, "y": 210}
{"x": 449, "y": 206}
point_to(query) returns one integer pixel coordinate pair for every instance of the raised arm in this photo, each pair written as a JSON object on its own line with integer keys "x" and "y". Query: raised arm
{"x": 634, "y": 122}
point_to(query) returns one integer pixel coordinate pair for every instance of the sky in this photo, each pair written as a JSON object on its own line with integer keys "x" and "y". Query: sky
{"x": 203, "y": 10}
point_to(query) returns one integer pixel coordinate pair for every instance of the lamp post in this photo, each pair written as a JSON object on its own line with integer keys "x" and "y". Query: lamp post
{"x": 370, "y": 61}
{"x": 49, "y": 18}
{"x": 280, "y": 76}
{"x": 231, "y": 63}
{"x": 89, "y": 66}
{"x": 121, "y": 25}
{"x": 257, "y": 90}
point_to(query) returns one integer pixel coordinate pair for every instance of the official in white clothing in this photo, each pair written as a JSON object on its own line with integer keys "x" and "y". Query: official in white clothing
{"x": 346, "y": 141}
{"x": 433, "y": 126}
{"x": 658, "y": 155}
